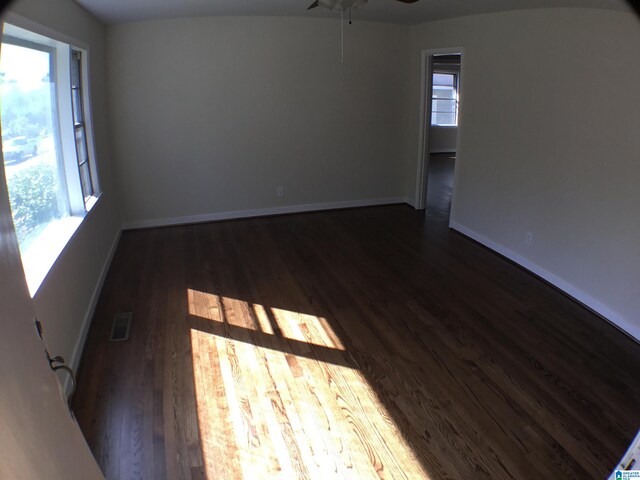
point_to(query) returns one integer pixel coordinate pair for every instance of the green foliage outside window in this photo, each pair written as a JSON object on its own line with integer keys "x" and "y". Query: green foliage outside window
{"x": 25, "y": 113}
{"x": 33, "y": 198}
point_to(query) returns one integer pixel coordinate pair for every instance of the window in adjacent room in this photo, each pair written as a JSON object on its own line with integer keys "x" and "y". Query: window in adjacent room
{"x": 444, "y": 110}
{"x": 49, "y": 160}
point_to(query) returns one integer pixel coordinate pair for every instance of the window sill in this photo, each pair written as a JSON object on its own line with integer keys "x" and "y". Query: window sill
{"x": 42, "y": 253}
{"x": 91, "y": 202}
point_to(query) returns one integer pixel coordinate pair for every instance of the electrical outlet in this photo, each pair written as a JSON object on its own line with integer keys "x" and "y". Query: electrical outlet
{"x": 528, "y": 239}
{"x": 280, "y": 192}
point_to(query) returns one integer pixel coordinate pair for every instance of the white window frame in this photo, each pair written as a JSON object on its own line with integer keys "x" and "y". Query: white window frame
{"x": 456, "y": 88}
{"x": 38, "y": 261}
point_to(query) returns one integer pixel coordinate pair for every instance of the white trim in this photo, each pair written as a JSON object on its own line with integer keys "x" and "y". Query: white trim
{"x": 425, "y": 113}
{"x": 409, "y": 201}
{"x": 88, "y": 119}
{"x": 442, "y": 150}
{"x": 35, "y": 27}
{"x": 423, "y": 133}
{"x": 260, "y": 212}
{"x": 574, "y": 292}
{"x": 84, "y": 330}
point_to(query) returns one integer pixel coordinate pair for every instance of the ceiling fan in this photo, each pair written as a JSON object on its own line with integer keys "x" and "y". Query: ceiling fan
{"x": 344, "y": 4}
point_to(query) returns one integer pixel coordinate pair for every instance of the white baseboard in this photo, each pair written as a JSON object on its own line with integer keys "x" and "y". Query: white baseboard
{"x": 574, "y": 292}
{"x": 261, "y": 212}
{"x": 84, "y": 330}
{"x": 410, "y": 201}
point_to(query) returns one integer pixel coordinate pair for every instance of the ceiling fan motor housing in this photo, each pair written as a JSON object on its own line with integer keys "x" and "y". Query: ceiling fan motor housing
{"x": 341, "y": 4}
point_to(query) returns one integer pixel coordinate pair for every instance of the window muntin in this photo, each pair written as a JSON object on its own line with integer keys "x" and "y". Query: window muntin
{"x": 444, "y": 105}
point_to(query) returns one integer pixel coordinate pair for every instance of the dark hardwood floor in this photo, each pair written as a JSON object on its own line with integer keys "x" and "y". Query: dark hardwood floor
{"x": 364, "y": 343}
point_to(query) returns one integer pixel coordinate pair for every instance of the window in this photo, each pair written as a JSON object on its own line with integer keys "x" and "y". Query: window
{"x": 46, "y": 143}
{"x": 82, "y": 151}
{"x": 444, "y": 105}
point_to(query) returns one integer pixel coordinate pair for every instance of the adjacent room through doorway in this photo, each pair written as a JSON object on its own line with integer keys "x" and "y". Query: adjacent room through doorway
{"x": 440, "y": 187}
{"x": 443, "y": 133}
{"x": 441, "y": 107}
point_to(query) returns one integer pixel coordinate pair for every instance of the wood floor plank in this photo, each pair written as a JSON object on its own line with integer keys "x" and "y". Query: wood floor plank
{"x": 219, "y": 447}
{"x": 356, "y": 344}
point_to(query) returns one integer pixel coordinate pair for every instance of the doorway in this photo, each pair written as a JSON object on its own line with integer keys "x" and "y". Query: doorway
{"x": 439, "y": 131}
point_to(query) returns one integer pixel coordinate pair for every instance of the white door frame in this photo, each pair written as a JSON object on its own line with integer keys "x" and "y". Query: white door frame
{"x": 425, "y": 120}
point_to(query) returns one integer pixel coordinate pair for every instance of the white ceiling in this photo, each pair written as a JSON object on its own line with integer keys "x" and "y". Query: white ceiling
{"x": 391, "y": 11}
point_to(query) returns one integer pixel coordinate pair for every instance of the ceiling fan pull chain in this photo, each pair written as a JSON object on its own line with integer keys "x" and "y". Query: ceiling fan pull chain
{"x": 349, "y": 15}
{"x": 342, "y": 35}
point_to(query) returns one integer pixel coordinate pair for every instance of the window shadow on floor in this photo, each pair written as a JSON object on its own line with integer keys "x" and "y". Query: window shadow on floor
{"x": 473, "y": 367}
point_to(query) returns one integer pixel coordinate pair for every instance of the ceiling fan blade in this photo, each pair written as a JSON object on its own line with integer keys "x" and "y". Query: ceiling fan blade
{"x": 408, "y": 1}
{"x": 313, "y": 5}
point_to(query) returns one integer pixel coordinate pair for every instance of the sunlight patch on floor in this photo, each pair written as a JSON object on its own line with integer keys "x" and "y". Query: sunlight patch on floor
{"x": 255, "y": 317}
{"x": 306, "y": 328}
{"x": 277, "y": 411}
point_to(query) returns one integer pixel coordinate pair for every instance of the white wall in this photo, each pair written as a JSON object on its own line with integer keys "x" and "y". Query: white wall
{"x": 212, "y": 114}
{"x": 64, "y": 299}
{"x": 38, "y": 437}
{"x": 442, "y": 139}
{"x": 549, "y": 144}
